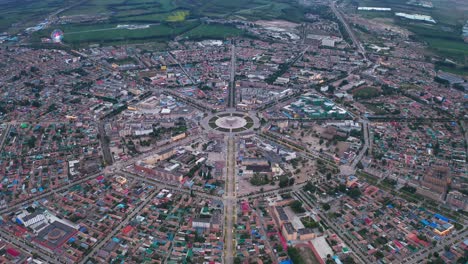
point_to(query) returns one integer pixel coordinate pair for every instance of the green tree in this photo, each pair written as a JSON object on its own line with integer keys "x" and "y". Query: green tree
{"x": 295, "y": 255}
{"x": 284, "y": 181}
{"x": 310, "y": 187}
{"x": 354, "y": 193}
{"x": 296, "y": 206}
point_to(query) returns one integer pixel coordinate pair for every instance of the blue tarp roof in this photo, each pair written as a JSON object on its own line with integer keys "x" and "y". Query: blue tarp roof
{"x": 441, "y": 217}
{"x": 337, "y": 260}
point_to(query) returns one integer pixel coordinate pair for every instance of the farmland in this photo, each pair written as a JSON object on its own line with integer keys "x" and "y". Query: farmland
{"x": 443, "y": 38}
{"x": 109, "y": 33}
{"x": 18, "y": 14}
{"x": 162, "y": 20}
{"x": 212, "y": 31}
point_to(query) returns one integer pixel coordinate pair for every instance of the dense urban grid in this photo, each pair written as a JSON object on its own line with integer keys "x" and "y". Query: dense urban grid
{"x": 336, "y": 138}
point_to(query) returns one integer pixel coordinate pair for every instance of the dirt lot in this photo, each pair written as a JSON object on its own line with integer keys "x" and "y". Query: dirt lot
{"x": 308, "y": 256}
{"x": 244, "y": 186}
{"x": 277, "y": 23}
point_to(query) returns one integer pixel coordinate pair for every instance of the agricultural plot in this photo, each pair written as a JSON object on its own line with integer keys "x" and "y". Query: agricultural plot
{"x": 23, "y": 13}
{"x": 443, "y": 38}
{"x": 136, "y": 21}
{"x": 212, "y": 32}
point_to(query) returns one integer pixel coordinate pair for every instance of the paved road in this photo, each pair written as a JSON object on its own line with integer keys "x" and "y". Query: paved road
{"x": 464, "y": 124}
{"x": 230, "y": 202}
{"x": 105, "y": 29}
{"x": 120, "y": 226}
{"x": 105, "y": 144}
{"x": 355, "y": 40}
{"x": 232, "y": 85}
{"x": 182, "y": 68}
{"x": 365, "y": 128}
{"x": 4, "y": 135}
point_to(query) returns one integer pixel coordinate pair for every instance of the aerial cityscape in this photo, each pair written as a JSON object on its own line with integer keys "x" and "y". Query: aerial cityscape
{"x": 234, "y": 132}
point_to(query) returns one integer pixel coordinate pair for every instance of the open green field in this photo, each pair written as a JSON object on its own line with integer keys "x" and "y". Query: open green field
{"x": 212, "y": 31}
{"x": 375, "y": 14}
{"x": 442, "y": 40}
{"x": 460, "y": 70}
{"x": 366, "y": 93}
{"x": 78, "y": 35}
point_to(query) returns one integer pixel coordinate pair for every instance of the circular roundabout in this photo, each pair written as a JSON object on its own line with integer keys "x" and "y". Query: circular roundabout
{"x": 230, "y": 122}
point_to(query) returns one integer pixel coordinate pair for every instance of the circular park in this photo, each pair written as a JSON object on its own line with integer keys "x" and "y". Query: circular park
{"x": 230, "y": 122}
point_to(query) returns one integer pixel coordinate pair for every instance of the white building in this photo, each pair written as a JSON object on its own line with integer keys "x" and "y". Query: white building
{"x": 416, "y": 17}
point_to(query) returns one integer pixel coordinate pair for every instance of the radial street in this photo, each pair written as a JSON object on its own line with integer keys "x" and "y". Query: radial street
{"x": 230, "y": 201}
{"x": 232, "y": 88}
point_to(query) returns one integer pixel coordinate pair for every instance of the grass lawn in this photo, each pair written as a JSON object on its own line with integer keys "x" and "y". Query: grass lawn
{"x": 144, "y": 18}
{"x": 366, "y": 92}
{"x": 449, "y": 47}
{"x": 375, "y": 14}
{"x": 455, "y": 70}
{"x": 445, "y": 43}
